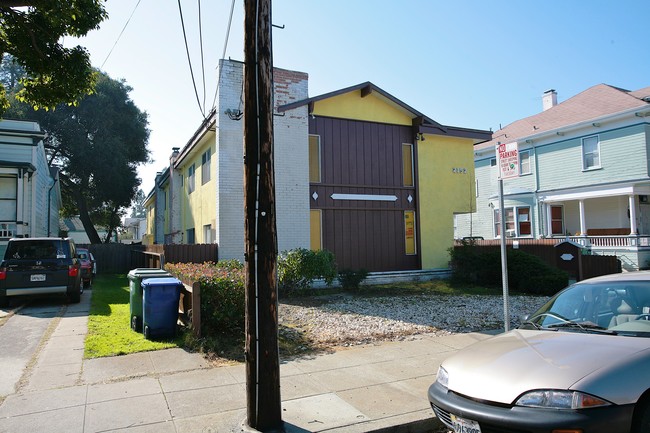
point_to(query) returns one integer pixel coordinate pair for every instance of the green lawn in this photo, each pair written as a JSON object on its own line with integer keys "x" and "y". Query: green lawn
{"x": 109, "y": 330}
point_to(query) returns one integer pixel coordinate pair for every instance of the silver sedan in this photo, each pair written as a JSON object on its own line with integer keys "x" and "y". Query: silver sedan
{"x": 581, "y": 363}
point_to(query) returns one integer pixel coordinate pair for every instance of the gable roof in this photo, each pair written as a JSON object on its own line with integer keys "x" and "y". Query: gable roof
{"x": 421, "y": 122}
{"x": 594, "y": 103}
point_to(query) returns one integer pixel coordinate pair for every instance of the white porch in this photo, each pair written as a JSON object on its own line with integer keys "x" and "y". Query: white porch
{"x": 612, "y": 220}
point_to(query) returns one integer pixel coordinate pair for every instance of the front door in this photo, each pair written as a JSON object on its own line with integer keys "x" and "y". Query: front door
{"x": 644, "y": 218}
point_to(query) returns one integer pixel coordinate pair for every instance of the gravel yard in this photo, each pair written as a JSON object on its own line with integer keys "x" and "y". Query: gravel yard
{"x": 346, "y": 320}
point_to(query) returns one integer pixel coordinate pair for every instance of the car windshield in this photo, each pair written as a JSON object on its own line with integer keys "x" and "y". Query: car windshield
{"x": 614, "y": 307}
{"x": 36, "y": 250}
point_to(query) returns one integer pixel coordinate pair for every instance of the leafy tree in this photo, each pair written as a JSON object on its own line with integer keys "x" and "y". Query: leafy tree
{"x": 31, "y": 31}
{"x": 98, "y": 145}
{"x": 138, "y": 210}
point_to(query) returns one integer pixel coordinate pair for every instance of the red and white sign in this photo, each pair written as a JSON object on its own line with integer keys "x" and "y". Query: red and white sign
{"x": 508, "y": 160}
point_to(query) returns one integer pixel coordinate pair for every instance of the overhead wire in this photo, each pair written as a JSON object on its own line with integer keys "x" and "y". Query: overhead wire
{"x": 120, "y": 35}
{"x": 189, "y": 60}
{"x": 223, "y": 55}
{"x": 202, "y": 58}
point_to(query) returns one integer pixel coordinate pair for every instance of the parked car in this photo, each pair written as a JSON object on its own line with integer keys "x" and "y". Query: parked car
{"x": 578, "y": 364}
{"x": 88, "y": 266}
{"x": 40, "y": 266}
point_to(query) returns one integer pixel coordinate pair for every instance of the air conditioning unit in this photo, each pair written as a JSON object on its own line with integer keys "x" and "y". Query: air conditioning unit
{"x": 510, "y": 233}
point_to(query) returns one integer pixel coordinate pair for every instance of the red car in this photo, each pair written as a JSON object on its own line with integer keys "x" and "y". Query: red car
{"x": 87, "y": 266}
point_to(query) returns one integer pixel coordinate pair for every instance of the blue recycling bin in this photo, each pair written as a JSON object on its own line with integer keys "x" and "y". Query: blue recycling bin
{"x": 160, "y": 299}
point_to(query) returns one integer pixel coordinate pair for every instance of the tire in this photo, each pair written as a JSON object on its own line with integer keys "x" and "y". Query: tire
{"x": 135, "y": 324}
{"x": 147, "y": 332}
{"x": 642, "y": 417}
{"x": 4, "y": 301}
{"x": 75, "y": 296}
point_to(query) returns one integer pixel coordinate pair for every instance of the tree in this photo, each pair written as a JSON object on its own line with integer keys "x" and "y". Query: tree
{"x": 31, "y": 31}
{"x": 138, "y": 210}
{"x": 98, "y": 145}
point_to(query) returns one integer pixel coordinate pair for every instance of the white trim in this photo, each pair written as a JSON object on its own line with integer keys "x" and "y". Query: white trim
{"x": 599, "y": 193}
{"x": 366, "y": 197}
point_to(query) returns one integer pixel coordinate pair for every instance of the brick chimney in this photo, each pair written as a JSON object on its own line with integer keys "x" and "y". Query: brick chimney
{"x": 549, "y": 99}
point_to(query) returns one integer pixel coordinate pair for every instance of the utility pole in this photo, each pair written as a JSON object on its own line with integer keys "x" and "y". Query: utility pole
{"x": 262, "y": 358}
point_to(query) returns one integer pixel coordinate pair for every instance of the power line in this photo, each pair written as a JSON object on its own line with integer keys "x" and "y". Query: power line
{"x": 202, "y": 58}
{"x": 120, "y": 35}
{"x": 189, "y": 61}
{"x": 223, "y": 55}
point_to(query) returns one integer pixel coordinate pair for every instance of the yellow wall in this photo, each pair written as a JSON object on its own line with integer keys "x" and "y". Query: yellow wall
{"x": 199, "y": 208}
{"x": 166, "y": 225}
{"x": 446, "y": 186}
{"x": 151, "y": 216}
{"x": 370, "y": 108}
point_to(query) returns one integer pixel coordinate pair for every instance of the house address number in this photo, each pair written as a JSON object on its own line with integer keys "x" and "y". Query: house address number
{"x": 459, "y": 170}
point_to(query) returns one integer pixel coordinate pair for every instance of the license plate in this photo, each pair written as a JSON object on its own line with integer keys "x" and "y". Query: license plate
{"x": 37, "y": 277}
{"x": 462, "y": 425}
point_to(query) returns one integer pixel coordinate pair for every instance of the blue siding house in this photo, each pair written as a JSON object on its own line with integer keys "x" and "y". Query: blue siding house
{"x": 584, "y": 174}
{"x": 30, "y": 196}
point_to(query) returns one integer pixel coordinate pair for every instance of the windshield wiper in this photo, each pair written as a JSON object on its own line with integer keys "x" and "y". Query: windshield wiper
{"x": 584, "y": 326}
{"x": 568, "y": 324}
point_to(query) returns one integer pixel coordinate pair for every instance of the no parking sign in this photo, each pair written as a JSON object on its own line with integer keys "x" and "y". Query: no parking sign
{"x": 508, "y": 160}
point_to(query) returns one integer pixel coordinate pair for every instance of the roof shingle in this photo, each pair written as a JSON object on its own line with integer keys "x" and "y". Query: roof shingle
{"x": 595, "y": 102}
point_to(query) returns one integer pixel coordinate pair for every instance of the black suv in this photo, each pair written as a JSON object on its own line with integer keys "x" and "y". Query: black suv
{"x": 40, "y": 266}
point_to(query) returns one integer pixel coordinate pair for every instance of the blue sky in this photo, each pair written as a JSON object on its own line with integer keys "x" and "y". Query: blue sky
{"x": 468, "y": 63}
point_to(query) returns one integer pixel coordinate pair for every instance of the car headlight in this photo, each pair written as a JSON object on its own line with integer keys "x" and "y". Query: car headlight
{"x": 560, "y": 399}
{"x": 443, "y": 377}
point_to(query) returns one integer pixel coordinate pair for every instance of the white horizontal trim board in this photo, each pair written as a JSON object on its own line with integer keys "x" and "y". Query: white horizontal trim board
{"x": 367, "y": 197}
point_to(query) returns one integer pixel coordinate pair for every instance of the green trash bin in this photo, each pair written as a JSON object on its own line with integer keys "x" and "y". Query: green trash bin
{"x": 136, "y": 276}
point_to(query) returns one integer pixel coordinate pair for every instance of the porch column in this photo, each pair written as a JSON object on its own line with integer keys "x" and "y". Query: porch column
{"x": 583, "y": 224}
{"x": 20, "y": 203}
{"x": 549, "y": 221}
{"x": 632, "y": 205}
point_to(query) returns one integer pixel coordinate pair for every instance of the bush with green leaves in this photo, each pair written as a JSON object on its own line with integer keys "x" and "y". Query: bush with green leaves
{"x": 299, "y": 267}
{"x": 350, "y": 279}
{"x": 223, "y": 308}
{"x": 526, "y": 273}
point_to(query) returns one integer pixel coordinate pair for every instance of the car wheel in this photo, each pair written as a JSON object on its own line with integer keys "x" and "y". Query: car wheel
{"x": 147, "y": 332}
{"x": 642, "y": 417}
{"x": 75, "y": 296}
{"x": 4, "y": 301}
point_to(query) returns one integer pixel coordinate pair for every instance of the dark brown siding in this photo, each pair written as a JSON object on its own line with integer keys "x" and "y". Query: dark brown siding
{"x": 363, "y": 158}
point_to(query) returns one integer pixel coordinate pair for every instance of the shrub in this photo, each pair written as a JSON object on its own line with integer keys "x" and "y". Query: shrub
{"x": 351, "y": 279}
{"x": 526, "y": 273}
{"x": 298, "y": 268}
{"x": 223, "y": 307}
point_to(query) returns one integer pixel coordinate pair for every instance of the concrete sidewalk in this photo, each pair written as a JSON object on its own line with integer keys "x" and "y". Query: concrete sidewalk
{"x": 361, "y": 389}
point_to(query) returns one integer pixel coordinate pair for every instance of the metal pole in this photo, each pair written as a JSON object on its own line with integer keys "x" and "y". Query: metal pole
{"x": 504, "y": 259}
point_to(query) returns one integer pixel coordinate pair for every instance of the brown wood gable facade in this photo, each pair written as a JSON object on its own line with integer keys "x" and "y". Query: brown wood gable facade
{"x": 361, "y": 194}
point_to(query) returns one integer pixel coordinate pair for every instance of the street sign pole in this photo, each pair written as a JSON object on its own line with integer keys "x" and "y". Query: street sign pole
{"x": 504, "y": 260}
{"x": 508, "y": 163}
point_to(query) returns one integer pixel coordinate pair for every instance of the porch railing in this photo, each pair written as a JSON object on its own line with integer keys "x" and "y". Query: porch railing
{"x": 7, "y": 230}
{"x": 632, "y": 241}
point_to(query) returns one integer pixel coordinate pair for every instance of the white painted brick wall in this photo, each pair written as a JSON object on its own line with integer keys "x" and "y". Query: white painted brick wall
{"x": 291, "y": 163}
{"x": 291, "y": 140}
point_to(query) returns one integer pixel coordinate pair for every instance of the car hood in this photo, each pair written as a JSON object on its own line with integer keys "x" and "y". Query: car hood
{"x": 502, "y": 368}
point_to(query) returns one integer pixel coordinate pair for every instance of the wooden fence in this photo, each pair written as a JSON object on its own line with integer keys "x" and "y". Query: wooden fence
{"x": 564, "y": 255}
{"x": 121, "y": 258}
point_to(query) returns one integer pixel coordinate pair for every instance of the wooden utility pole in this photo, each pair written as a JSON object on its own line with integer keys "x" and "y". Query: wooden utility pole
{"x": 262, "y": 358}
